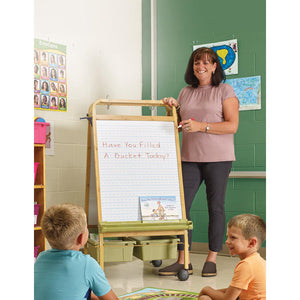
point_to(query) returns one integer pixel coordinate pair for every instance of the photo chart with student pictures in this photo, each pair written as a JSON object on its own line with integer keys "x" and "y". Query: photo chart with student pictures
{"x": 50, "y": 78}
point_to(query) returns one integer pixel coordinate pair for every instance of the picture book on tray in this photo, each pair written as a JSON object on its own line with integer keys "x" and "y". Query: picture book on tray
{"x": 159, "y": 208}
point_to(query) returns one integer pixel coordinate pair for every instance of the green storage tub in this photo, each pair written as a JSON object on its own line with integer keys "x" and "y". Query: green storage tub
{"x": 114, "y": 250}
{"x": 155, "y": 248}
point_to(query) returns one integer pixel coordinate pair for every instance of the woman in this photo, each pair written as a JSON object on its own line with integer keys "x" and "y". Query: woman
{"x": 45, "y": 86}
{"x": 53, "y": 74}
{"x": 53, "y": 87}
{"x": 209, "y": 111}
{"x": 62, "y": 103}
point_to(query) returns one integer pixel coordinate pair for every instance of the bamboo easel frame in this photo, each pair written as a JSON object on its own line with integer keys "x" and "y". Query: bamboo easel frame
{"x": 132, "y": 228}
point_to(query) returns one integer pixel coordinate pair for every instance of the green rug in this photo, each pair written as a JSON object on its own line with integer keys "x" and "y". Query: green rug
{"x": 154, "y": 293}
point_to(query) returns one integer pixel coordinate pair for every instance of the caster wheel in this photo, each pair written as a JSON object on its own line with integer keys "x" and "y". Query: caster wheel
{"x": 156, "y": 263}
{"x": 183, "y": 275}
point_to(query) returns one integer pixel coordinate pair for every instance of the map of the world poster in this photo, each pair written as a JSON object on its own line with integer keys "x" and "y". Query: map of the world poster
{"x": 248, "y": 91}
{"x": 227, "y": 52}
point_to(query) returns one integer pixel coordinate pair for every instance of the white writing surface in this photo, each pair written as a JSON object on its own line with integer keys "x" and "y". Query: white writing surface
{"x": 136, "y": 158}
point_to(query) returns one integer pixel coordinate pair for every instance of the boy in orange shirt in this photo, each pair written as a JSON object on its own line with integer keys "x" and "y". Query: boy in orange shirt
{"x": 245, "y": 234}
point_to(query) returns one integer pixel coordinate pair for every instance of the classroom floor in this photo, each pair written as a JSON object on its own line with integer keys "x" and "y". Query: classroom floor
{"x": 125, "y": 277}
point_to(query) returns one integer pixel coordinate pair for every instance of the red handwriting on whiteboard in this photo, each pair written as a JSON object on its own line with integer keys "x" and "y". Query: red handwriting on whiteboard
{"x": 137, "y": 155}
{"x": 139, "y": 145}
{"x": 110, "y": 145}
{"x": 142, "y": 145}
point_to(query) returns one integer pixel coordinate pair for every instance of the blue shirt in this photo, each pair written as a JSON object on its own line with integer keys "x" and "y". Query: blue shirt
{"x": 67, "y": 274}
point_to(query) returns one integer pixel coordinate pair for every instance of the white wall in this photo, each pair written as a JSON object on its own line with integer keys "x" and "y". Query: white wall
{"x": 103, "y": 39}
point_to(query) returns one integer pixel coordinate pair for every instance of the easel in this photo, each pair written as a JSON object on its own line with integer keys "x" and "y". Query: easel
{"x": 133, "y": 228}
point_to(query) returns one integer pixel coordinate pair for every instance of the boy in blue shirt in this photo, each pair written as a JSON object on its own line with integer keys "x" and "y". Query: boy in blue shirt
{"x": 64, "y": 272}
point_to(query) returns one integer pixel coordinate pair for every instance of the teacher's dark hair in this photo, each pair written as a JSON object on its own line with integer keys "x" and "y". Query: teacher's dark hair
{"x": 204, "y": 53}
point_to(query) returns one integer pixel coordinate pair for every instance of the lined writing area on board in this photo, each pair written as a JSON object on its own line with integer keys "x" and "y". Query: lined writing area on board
{"x": 136, "y": 158}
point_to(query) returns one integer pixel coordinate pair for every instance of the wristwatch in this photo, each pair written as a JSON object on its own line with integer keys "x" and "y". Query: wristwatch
{"x": 207, "y": 128}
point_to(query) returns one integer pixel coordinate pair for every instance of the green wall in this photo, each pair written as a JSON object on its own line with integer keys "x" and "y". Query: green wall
{"x": 184, "y": 23}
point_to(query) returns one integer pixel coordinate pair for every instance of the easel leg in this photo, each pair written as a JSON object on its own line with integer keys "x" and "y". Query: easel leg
{"x": 101, "y": 251}
{"x": 87, "y": 183}
{"x": 186, "y": 250}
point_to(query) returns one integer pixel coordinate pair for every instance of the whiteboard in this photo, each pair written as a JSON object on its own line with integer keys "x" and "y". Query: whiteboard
{"x": 136, "y": 158}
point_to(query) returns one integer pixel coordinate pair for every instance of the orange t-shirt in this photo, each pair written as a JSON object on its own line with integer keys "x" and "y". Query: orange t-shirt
{"x": 250, "y": 276}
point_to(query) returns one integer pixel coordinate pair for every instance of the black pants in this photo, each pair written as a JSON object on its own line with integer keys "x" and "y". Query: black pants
{"x": 215, "y": 176}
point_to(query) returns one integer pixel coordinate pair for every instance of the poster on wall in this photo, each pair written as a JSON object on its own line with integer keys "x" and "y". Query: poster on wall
{"x": 248, "y": 91}
{"x": 49, "y": 144}
{"x": 50, "y": 77}
{"x": 227, "y": 52}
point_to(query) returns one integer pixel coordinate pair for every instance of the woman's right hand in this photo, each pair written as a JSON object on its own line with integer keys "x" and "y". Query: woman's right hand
{"x": 170, "y": 101}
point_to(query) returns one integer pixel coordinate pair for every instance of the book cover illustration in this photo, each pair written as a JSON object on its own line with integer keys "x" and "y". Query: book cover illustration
{"x": 159, "y": 208}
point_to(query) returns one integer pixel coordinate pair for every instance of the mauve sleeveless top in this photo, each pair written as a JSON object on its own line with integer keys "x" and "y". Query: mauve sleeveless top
{"x": 205, "y": 104}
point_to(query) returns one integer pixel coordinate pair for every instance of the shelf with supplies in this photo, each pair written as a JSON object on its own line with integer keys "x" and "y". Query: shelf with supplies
{"x": 39, "y": 197}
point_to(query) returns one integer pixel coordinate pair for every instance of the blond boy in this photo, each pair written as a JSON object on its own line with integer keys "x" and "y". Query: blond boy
{"x": 64, "y": 272}
{"x": 245, "y": 234}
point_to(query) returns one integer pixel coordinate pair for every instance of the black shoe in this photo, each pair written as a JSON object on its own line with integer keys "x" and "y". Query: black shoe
{"x": 209, "y": 269}
{"x": 174, "y": 269}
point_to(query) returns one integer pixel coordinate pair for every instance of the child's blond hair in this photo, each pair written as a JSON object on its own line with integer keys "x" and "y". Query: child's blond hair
{"x": 251, "y": 226}
{"x": 62, "y": 224}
